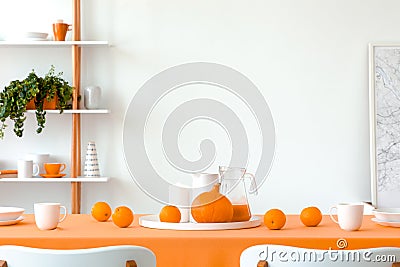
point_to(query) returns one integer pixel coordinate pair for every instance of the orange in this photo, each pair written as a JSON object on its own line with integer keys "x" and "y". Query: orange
{"x": 212, "y": 207}
{"x": 170, "y": 214}
{"x": 274, "y": 219}
{"x": 101, "y": 211}
{"x": 311, "y": 216}
{"x": 122, "y": 216}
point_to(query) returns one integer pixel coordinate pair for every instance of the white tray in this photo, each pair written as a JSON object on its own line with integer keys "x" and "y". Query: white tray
{"x": 152, "y": 221}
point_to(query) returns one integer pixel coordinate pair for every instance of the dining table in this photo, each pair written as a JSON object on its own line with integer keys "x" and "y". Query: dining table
{"x": 196, "y": 247}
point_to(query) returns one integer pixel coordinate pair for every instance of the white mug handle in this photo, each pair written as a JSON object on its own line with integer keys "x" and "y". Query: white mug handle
{"x": 63, "y": 166}
{"x": 65, "y": 213}
{"x": 35, "y": 169}
{"x": 331, "y": 215}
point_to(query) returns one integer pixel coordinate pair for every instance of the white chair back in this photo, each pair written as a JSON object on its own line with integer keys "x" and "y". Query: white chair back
{"x": 281, "y": 256}
{"x": 112, "y": 256}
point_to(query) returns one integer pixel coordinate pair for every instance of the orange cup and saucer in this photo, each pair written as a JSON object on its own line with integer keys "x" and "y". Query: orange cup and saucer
{"x": 53, "y": 175}
{"x": 53, "y": 170}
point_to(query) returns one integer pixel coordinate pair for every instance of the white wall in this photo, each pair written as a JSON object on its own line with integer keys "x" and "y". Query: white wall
{"x": 309, "y": 59}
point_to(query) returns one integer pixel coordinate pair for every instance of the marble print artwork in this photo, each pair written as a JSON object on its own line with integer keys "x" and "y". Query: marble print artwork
{"x": 387, "y": 99}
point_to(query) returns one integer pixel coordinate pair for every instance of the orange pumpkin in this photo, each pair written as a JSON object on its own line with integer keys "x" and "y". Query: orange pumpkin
{"x": 212, "y": 207}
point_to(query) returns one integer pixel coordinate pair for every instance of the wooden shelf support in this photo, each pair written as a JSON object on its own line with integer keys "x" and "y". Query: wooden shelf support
{"x": 76, "y": 119}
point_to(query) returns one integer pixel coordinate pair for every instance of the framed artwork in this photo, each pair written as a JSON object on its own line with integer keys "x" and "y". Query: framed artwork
{"x": 384, "y": 87}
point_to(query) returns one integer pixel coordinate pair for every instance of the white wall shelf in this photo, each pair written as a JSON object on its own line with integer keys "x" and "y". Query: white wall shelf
{"x": 53, "y": 43}
{"x": 72, "y": 111}
{"x": 58, "y": 180}
{"x": 76, "y": 46}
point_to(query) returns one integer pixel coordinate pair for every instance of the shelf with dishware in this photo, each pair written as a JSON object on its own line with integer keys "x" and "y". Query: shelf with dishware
{"x": 58, "y": 180}
{"x": 39, "y": 41}
{"x": 53, "y": 43}
{"x": 74, "y": 111}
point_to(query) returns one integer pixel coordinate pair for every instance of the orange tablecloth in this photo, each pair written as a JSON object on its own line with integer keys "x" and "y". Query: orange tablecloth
{"x": 195, "y": 248}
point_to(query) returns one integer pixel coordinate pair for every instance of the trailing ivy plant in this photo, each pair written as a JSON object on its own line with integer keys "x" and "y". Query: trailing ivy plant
{"x": 16, "y": 95}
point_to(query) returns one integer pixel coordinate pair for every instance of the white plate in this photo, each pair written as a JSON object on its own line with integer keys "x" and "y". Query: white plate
{"x": 27, "y": 36}
{"x": 10, "y": 213}
{"x": 152, "y": 221}
{"x": 34, "y": 39}
{"x": 387, "y": 214}
{"x": 11, "y": 222}
{"x": 386, "y": 223}
{"x": 39, "y": 35}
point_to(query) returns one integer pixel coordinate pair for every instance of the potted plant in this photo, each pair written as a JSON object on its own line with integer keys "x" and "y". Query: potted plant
{"x": 15, "y": 97}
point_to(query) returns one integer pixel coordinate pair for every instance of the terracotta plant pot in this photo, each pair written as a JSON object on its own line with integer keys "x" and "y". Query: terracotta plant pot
{"x": 46, "y": 104}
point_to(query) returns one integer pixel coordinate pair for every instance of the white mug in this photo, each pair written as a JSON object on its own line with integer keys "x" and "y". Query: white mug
{"x": 26, "y": 168}
{"x": 38, "y": 159}
{"x": 47, "y": 215}
{"x": 202, "y": 182}
{"x": 349, "y": 215}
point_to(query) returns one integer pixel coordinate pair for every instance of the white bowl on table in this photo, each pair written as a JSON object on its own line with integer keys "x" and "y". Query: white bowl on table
{"x": 10, "y": 213}
{"x": 387, "y": 214}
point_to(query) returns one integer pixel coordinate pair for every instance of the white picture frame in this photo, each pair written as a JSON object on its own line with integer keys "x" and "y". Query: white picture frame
{"x": 384, "y": 103}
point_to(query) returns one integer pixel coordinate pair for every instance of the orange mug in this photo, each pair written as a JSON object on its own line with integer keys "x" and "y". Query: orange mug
{"x": 60, "y": 30}
{"x": 54, "y": 168}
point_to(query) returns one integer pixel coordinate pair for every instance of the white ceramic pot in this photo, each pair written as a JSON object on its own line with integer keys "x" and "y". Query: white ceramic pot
{"x": 92, "y": 97}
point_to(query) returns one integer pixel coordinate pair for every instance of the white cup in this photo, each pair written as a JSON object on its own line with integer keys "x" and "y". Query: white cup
{"x": 202, "y": 182}
{"x": 179, "y": 196}
{"x": 47, "y": 215}
{"x": 38, "y": 159}
{"x": 26, "y": 168}
{"x": 349, "y": 215}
